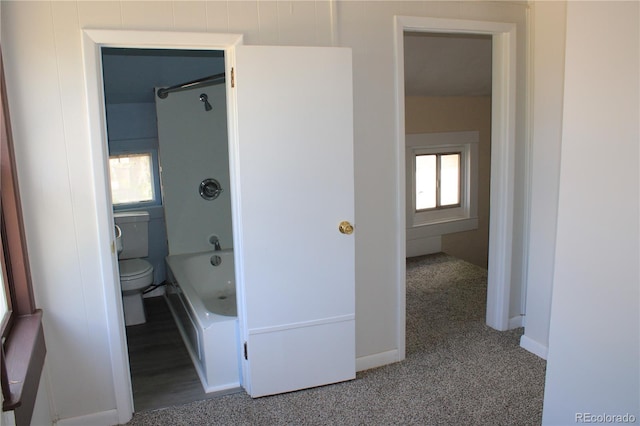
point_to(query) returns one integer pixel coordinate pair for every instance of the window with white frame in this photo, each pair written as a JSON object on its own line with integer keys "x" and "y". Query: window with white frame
{"x": 438, "y": 177}
{"x": 134, "y": 173}
{"x": 131, "y": 178}
{"x": 442, "y": 171}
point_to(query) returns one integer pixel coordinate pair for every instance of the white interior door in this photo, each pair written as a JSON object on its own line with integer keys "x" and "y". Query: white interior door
{"x": 294, "y": 173}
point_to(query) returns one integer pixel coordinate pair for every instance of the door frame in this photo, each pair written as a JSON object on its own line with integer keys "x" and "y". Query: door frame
{"x": 92, "y": 42}
{"x": 503, "y": 93}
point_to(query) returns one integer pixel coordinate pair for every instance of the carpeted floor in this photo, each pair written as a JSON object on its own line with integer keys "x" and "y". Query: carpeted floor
{"x": 458, "y": 371}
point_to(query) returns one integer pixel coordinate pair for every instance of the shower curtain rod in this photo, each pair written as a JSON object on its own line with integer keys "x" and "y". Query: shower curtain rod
{"x": 204, "y": 81}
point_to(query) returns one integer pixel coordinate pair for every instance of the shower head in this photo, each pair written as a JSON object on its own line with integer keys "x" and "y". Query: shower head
{"x": 204, "y": 98}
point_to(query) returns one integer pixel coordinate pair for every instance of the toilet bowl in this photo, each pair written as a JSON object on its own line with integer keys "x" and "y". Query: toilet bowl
{"x": 135, "y": 276}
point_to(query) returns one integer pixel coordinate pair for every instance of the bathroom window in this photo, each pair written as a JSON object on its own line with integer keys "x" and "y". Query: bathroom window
{"x": 132, "y": 179}
{"x": 442, "y": 185}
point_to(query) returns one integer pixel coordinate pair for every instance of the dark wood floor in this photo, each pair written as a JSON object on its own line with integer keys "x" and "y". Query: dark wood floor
{"x": 162, "y": 373}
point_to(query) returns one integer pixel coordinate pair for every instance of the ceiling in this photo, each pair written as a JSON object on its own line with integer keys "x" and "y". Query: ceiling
{"x": 435, "y": 65}
{"x": 130, "y": 75}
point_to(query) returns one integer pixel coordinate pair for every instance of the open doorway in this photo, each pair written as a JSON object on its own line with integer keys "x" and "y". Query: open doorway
{"x": 448, "y": 144}
{"x": 93, "y": 43}
{"x": 448, "y": 163}
{"x": 259, "y": 215}
{"x": 502, "y": 158}
{"x": 162, "y": 145}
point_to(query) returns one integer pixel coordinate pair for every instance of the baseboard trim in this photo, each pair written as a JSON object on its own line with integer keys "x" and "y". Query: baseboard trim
{"x": 516, "y": 322}
{"x": 534, "y": 347}
{"x": 423, "y": 245}
{"x": 376, "y": 360}
{"x": 103, "y": 418}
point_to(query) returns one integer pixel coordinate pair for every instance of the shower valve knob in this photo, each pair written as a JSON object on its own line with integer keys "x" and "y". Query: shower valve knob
{"x": 210, "y": 189}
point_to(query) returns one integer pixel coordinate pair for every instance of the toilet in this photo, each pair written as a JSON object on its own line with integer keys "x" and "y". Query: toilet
{"x": 136, "y": 274}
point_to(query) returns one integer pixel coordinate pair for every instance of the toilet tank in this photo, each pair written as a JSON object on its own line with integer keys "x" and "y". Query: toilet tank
{"x": 135, "y": 233}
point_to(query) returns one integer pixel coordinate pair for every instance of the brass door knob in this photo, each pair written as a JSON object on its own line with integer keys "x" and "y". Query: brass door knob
{"x": 345, "y": 227}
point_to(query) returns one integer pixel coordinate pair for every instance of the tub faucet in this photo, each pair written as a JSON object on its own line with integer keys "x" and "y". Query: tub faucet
{"x": 216, "y": 244}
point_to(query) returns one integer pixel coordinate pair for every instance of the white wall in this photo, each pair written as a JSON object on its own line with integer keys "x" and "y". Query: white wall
{"x": 548, "y": 32}
{"x": 41, "y": 415}
{"x": 194, "y": 147}
{"x": 42, "y": 48}
{"x": 594, "y": 342}
{"x": 367, "y": 27}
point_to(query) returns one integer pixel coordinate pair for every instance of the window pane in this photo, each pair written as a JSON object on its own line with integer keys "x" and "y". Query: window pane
{"x": 3, "y": 298}
{"x": 131, "y": 178}
{"x": 425, "y": 182}
{"x": 449, "y": 179}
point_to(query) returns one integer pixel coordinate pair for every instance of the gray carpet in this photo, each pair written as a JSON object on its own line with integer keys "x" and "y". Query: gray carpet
{"x": 457, "y": 371}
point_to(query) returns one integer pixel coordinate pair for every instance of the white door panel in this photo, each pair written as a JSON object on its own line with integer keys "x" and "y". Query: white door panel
{"x": 301, "y": 364}
{"x": 294, "y": 164}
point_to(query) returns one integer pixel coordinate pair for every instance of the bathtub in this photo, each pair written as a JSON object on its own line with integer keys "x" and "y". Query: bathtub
{"x": 201, "y": 295}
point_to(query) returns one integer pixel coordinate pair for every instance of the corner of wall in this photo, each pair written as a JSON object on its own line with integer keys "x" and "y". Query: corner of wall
{"x": 534, "y": 347}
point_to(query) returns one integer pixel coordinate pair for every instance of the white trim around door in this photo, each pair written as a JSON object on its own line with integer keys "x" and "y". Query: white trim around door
{"x": 92, "y": 41}
{"x": 502, "y": 160}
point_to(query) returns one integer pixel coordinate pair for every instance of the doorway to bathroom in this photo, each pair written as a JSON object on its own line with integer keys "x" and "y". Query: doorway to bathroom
{"x": 182, "y": 139}
{"x": 296, "y": 318}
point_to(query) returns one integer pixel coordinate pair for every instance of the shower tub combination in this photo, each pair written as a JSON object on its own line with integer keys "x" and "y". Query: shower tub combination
{"x": 202, "y": 298}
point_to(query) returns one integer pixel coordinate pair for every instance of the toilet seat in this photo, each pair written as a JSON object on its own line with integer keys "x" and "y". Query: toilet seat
{"x": 132, "y": 269}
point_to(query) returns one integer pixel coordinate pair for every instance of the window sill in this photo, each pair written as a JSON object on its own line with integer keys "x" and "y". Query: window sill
{"x": 24, "y": 357}
{"x": 442, "y": 228}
